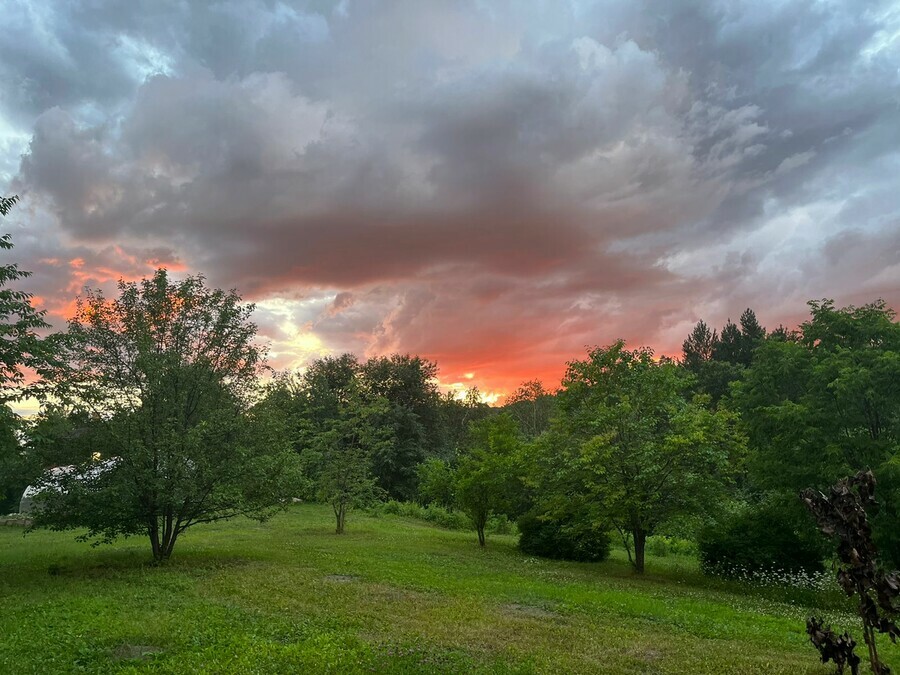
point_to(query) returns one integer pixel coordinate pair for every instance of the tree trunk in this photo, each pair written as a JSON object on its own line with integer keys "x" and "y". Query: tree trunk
{"x": 340, "y": 513}
{"x": 162, "y": 543}
{"x": 640, "y": 541}
{"x": 153, "y": 533}
{"x": 480, "y": 529}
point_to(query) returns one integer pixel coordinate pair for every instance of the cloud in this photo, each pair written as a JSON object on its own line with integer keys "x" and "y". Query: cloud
{"x": 491, "y": 185}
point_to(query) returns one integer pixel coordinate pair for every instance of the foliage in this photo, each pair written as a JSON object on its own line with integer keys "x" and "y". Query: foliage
{"x": 442, "y": 517}
{"x": 436, "y": 479}
{"x": 345, "y": 449}
{"x": 395, "y": 398}
{"x": 760, "y": 538}
{"x": 408, "y": 384}
{"x": 718, "y": 359}
{"x": 168, "y": 371}
{"x": 532, "y": 406}
{"x": 20, "y": 349}
{"x": 15, "y": 470}
{"x": 842, "y": 516}
{"x": 456, "y": 416}
{"x": 339, "y": 427}
{"x": 485, "y": 477}
{"x": 635, "y": 447}
{"x": 20, "y": 346}
{"x": 825, "y": 404}
{"x": 562, "y": 540}
{"x": 833, "y": 647}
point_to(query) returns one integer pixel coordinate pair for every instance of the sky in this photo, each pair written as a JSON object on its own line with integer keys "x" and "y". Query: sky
{"x": 491, "y": 185}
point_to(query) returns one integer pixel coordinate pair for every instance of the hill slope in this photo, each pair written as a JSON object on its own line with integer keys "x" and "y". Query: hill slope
{"x": 391, "y": 595}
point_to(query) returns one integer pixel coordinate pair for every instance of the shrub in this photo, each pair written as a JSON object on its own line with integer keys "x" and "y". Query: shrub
{"x": 661, "y": 546}
{"x": 561, "y": 539}
{"x": 758, "y": 539}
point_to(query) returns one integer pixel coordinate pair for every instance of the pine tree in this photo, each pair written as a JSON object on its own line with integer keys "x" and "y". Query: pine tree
{"x": 699, "y": 346}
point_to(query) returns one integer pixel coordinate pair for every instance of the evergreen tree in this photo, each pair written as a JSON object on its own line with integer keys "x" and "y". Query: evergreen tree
{"x": 699, "y": 346}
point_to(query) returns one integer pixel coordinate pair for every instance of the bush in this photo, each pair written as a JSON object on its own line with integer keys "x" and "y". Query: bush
{"x": 760, "y": 539}
{"x": 661, "y": 546}
{"x": 561, "y": 540}
{"x": 450, "y": 520}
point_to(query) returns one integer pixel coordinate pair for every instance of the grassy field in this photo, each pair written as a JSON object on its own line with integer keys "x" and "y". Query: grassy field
{"x": 391, "y": 595}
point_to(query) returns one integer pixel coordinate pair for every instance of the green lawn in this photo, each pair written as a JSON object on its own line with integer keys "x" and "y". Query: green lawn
{"x": 391, "y": 595}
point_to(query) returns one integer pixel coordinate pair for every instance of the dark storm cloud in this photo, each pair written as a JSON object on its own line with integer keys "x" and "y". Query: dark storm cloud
{"x": 493, "y": 184}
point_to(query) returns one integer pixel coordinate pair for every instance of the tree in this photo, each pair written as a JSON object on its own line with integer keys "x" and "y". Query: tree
{"x": 409, "y": 385}
{"x": 169, "y": 371}
{"x": 456, "y": 416}
{"x": 436, "y": 483}
{"x": 532, "y": 405}
{"x": 706, "y": 358}
{"x": 20, "y": 349}
{"x": 346, "y": 448}
{"x": 20, "y": 346}
{"x": 484, "y": 479}
{"x": 729, "y": 347}
{"x": 636, "y": 447}
{"x": 699, "y": 346}
{"x": 338, "y": 427}
{"x": 825, "y": 404}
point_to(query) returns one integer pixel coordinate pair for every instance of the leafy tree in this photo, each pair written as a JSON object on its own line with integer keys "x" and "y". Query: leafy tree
{"x": 436, "y": 483}
{"x": 456, "y": 416}
{"x": 338, "y": 426}
{"x": 485, "y": 478}
{"x": 532, "y": 405}
{"x": 409, "y": 385}
{"x": 20, "y": 346}
{"x": 826, "y": 405}
{"x": 637, "y": 448}
{"x": 345, "y": 448}
{"x": 15, "y": 475}
{"x": 20, "y": 349}
{"x": 169, "y": 370}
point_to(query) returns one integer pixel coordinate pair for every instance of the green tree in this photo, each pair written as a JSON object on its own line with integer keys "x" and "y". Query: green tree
{"x": 485, "y": 478}
{"x": 699, "y": 347}
{"x": 20, "y": 345}
{"x": 409, "y": 385}
{"x": 345, "y": 450}
{"x": 752, "y": 335}
{"x": 436, "y": 483}
{"x": 20, "y": 349}
{"x": 456, "y": 416}
{"x": 532, "y": 405}
{"x": 338, "y": 427}
{"x": 635, "y": 447}
{"x": 730, "y": 344}
{"x": 170, "y": 371}
{"x": 826, "y": 404}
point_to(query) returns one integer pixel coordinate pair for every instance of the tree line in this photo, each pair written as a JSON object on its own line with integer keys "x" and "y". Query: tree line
{"x": 161, "y": 404}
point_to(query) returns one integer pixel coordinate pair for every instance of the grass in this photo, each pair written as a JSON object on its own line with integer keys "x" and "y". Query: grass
{"x": 392, "y": 595}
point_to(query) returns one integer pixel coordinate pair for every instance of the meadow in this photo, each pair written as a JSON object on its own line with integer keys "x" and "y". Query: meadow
{"x": 391, "y": 595}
